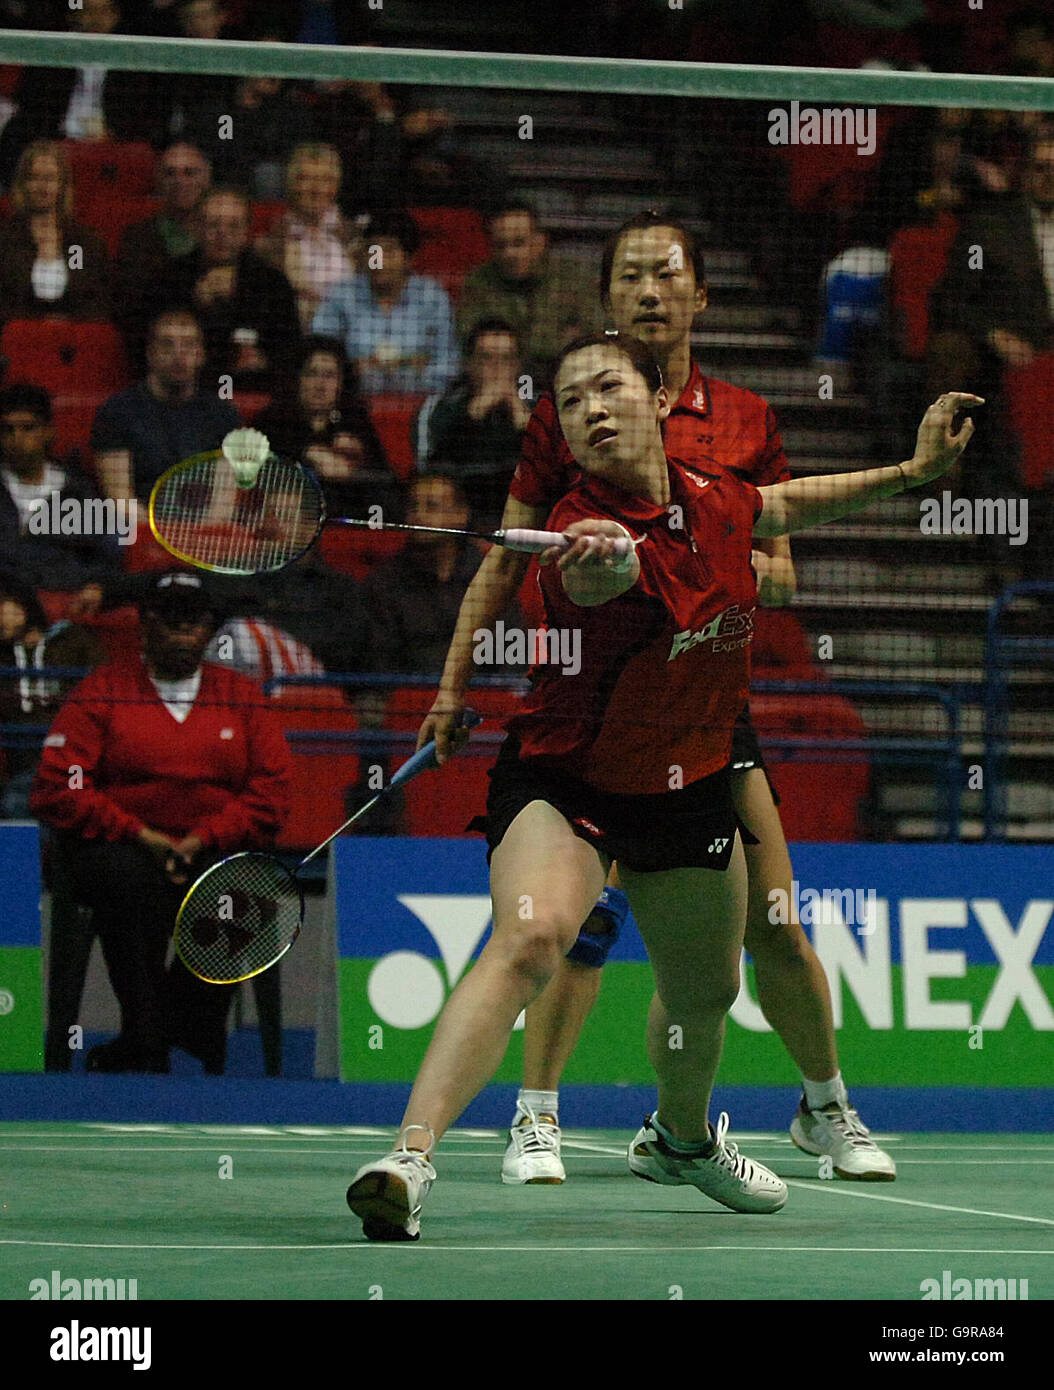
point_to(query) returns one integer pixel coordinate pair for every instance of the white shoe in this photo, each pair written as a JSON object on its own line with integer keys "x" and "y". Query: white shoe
{"x": 838, "y": 1131}
{"x": 533, "y": 1154}
{"x": 725, "y": 1175}
{"x": 387, "y": 1195}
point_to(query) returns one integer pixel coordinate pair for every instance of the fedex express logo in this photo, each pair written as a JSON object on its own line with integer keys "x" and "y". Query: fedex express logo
{"x": 733, "y": 625}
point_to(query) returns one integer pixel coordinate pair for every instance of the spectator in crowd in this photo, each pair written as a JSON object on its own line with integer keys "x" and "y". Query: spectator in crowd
{"x": 90, "y": 103}
{"x": 999, "y": 316}
{"x": 154, "y": 770}
{"x": 397, "y": 327}
{"x": 414, "y": 597}
{"x": 475, "y": 429}
{"x": 300, "y": 619}
{"x": 326, "y": 425}
{"x": 164, "y": 419}
{"x": 312, "y": 243}
{"x": 30, "y": 642}
{"x": 201, "y": 19}
{"x": 543, "y": 296}
{"x": 1029, "y": 43}
{"x": 249, "y": 128}
{"x": 247, "y": 308}
{"x": 49, "y": 264}
{"x": 1005, "y": 310}
{"x": 33, "y": 491}
{"x": 149, "y": 248}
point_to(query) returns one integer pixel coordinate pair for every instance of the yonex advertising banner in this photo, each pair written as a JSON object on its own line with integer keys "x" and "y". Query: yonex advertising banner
{"x": 21, "y": 978}
{"x": 940, "y": 958}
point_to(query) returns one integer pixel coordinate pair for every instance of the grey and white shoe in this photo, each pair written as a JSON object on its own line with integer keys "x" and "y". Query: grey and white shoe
{"x": 387, "y": 1195}
{"x": 837, "y": 1131}
{"x": 725, "y": 1174}
{"x": 533, "y": 1154}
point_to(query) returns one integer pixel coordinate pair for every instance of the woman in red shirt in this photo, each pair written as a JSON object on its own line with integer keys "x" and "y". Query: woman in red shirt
{"x": 626, "y": 755}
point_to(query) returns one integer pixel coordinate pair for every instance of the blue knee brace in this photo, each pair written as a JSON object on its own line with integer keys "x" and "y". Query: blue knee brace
{"x": 592, "y": 948}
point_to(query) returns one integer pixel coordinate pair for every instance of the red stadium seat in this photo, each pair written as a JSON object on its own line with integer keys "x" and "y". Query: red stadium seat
{"x": 819, "y": 800}
{"x": 323, "y": 770}
{"x": 1029, "y": 391}
{"x": 264, "y": 216}
{"x": 109, "y": 168}
{"x": 453, "y": 242}
{"x": 350, "y": 551}
{"x": 80, "y": 364}
{"x": 110, "y": 216}
{"x": 393, "y": 418}
{"x": 443, "y": 803}
{"x": 249, "y": 404}
{"x": 917, "y": 258}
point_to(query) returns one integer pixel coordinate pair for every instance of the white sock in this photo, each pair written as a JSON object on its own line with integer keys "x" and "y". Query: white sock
{"x": 541, "y": 1102}
{"x": 821, "y": 1093}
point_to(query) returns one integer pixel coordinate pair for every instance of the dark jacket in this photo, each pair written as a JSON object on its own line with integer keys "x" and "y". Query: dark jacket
{"x": 87, "y": 294}
{"x": 1009, "y": 292}
{"x": 55, "y": 562}
{"x": 263, "y": 301}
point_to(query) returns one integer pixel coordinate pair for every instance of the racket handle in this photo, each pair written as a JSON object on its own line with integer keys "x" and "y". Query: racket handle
{"x": 426, "y": 757}
{"x": 534, "y": 542}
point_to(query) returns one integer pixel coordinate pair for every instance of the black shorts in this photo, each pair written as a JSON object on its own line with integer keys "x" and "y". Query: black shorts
{"x": 692, "y": 828}
{"x": 746, "y": 750}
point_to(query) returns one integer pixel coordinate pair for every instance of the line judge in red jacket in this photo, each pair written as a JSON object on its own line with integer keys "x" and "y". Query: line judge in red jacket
{"x": 153, "y": 770}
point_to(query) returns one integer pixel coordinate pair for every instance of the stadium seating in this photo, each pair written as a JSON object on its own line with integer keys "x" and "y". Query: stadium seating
{"x": 453, "y": 242}
{"x": 323, "y": 769}
{"x": 80, "y": 364}
{"x": 819, "y": 800}
{"x": 1029, "y": 392}
{"x": 393, "y": 418}
{"x": 110, "y": 216}
{"x": 109, "y": 169}
{"x": 351, "y": 551}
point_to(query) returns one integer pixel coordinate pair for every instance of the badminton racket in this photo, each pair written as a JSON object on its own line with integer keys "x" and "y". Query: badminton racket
{"x": 220, "y": 513}
{"x": 241, "y": 916}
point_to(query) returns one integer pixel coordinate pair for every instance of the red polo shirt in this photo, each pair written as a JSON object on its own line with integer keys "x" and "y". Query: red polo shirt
{"x": 665, "y": 666}
{"x": 713, "y": 426}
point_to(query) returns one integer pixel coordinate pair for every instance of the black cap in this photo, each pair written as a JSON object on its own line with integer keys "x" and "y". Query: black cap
{"x": 179, "y": 596}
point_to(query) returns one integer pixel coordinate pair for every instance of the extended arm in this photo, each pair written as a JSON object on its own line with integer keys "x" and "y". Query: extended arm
{"x": 806, "y": 502}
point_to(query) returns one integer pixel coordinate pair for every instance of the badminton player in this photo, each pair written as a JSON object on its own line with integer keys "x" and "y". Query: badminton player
{"x": 653, "y": 285}
{"x": 584, "y": 775}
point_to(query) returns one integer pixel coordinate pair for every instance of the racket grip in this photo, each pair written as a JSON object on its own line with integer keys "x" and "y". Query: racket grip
{"x": 534, "y": 542}
{"x": 426, "y": 757}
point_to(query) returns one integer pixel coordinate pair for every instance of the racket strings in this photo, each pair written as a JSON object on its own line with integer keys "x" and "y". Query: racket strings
{"x": 199, "y": 512}
{"x": 239, "y": 918}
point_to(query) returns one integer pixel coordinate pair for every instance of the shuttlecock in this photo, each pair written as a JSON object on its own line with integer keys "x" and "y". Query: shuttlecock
{"x": 246, "y": 451}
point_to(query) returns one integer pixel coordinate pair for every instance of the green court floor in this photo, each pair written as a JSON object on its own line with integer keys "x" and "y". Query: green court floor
{"x": 147, "y": 1202}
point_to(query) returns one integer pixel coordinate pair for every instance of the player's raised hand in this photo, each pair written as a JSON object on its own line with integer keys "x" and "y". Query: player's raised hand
{"x": 938, "y": 444}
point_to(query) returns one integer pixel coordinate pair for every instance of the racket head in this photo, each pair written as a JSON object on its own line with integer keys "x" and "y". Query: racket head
{"x": 238, "y": 918}
{"x": 200, "y": 514}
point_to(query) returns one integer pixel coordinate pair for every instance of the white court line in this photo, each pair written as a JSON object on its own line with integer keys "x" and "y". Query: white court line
{"x": 549, "y": 1249}
{"x": 843, "y": 1190}
{"x": 591, "y": 1150}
